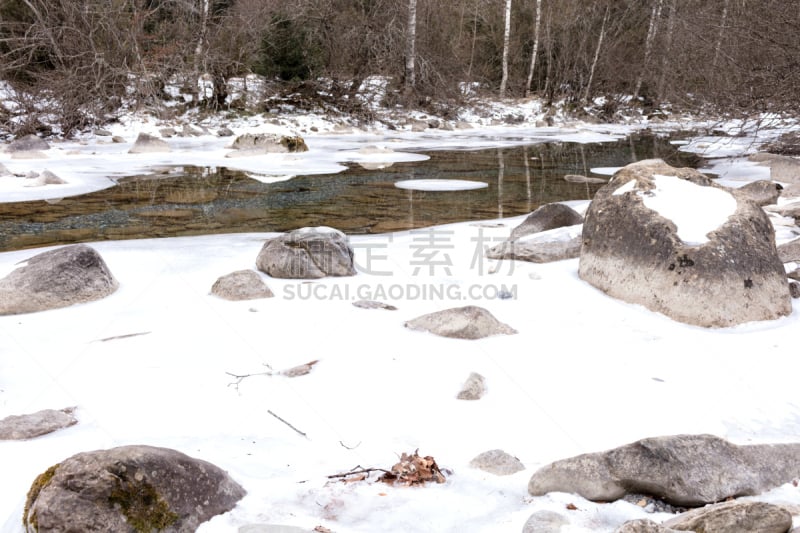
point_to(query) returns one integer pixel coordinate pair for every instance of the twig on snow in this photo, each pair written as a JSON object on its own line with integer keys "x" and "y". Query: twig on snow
{"x": 287, "y": 423}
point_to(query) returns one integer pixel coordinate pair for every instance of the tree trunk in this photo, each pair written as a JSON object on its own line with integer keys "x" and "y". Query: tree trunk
{"x": 506, "y": 44}
{"x": 718, "y": 45}
{"x": 648, "y": 45}
{"x": 199, "y": 51}
{"x": 535, "y": 47}
{"x": 667, "y": 50}
{"x": 411, "y": 38}
{"x": 596, "y": 56}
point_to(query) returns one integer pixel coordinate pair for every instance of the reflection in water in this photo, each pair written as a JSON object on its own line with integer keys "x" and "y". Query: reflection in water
{"x": 196, "y": 201}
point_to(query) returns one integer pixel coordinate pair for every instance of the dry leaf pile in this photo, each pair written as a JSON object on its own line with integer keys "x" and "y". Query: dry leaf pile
{"x": 414, "y": 470}
{"x": 411, "y": 470}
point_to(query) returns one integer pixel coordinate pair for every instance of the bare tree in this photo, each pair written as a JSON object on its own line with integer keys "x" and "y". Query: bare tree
{"x": 652, "y": 29}
{"x": 411, "y": 39}
{"x": 596, "y": 56}
{"x": 535, "y": 51}
{"x": 721, "y": 34}
{"x": 506, "y": 45}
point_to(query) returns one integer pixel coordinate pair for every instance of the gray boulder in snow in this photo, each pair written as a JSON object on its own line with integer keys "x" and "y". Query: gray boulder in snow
{"x": 56, "y": 278}
{"x": 734, "y": 517}
{"x": 633, "y": 253}
{"x": 21, "y": 427}
{"x": 684, "y": 470}
{"x": 548, "y": 216}
{"x": 497, "y": 462}
{"x": 473, "y": 388}
{"x": 762, "y": 192}
{"x": 469, "y": 322}
{"x": 642, "y": 525}
{"x": 46, "y": 178}
{"x": 28, "y": 143}
{"x": 789, "y": 251}
{"x": 265, "y": 143}
{"x": 537, "y": 249}
{"x": 784, "y": 169}
{"x": 307, "y": 253}
{"x": 129, "y": 489}
{"x": 146, "y": 144}
{"x": 241, "y": 285}
{"x": 544, "y": 522}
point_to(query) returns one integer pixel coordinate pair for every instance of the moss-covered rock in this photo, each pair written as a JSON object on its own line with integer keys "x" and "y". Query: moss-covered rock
{"x": 133, "y": 489}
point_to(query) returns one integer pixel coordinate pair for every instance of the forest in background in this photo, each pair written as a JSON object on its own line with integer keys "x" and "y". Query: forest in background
{"x": 79, "y": 61}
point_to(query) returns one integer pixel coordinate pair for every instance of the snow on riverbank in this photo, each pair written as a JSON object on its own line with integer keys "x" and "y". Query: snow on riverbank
{"x": 150, "y": 364}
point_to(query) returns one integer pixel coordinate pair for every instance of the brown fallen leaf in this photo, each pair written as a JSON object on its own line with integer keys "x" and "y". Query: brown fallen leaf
{"x": 571, "y": 507}
{"x": 300, "y": 370}
{"x": 322, "y": 529}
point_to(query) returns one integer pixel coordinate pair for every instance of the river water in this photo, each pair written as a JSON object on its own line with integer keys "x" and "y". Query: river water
{"x": 198, "y": 201}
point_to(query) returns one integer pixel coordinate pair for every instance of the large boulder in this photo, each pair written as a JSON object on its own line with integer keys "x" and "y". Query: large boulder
{"x": 675, "y": 242}
{"x": 734, "y": 517}
{"x": 146, "y": 143}
{"x": 130, "y": 489}
{"x": 684, "y": 470}
{"x": 56, "y": 278}
{"x": 307, "y": 253}
{"x": 469, "y": 322}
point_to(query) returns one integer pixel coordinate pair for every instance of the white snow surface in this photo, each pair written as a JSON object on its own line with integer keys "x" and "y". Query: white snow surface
{"x": 695, "y": 210}
{"x": 153, "y": 363}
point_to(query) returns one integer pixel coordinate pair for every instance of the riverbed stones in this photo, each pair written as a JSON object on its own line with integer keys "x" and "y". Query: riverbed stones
{"x": 56, "y": 278}
{"x": 497, "y": 462}
{"x": 266, "y": 143}
{"x": 762, "y": 192}
{"x": 734, "y": 517}
{"x": 473, "y": 388}
{"x": 683, "y": 470}
{"x": 789, "y": 251}
{"x": 643, "y": 525}
{"x": 548, "y": 216}
{"x": 29, "y": 426}
{"x": 469, "y": 322}
{"x": 632, "y": 252}
{"x": 577, "y": 178}
{"x": 538, "y": 248}
{"x": 307, "y": 253}
{"x": 241, "y": 285}
{"x": 129, "y": 489}
{"x": 146, "y": 144}
{"x": 28, "y": 143}
{"x": 545, "y": 522}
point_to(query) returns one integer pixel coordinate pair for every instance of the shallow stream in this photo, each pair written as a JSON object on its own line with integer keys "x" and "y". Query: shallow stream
{"x": 198, "y": 201}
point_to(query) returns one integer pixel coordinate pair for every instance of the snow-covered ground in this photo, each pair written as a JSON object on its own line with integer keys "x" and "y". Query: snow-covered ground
{"x": 151, "y": 364}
